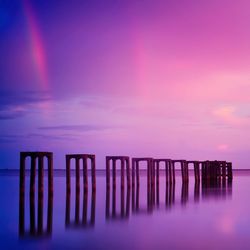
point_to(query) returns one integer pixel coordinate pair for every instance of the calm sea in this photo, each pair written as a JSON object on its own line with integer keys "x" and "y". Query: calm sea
{"x": 180, "y": 216}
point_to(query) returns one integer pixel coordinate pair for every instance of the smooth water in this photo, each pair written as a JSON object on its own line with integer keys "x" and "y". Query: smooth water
{"x": 193, "y": 216}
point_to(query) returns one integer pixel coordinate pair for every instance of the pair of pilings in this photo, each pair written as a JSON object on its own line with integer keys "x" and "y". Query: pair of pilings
{"x": 36, "y": 157}
{"x": 169, "y": 169}
{"x": 124, "y": 160}
{"x": 111, "y": 166}
{"x": 78, "y": 158}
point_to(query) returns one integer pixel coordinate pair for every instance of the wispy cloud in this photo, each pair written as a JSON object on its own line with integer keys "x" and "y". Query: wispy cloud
{"x": 14, "y": 105}
{"x": 81, "y": 127}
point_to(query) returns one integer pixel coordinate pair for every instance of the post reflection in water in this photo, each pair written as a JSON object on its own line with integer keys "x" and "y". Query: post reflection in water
{"x": 184, "y": 193}
{"x": 218, "y": 188}
{"x": 136, "y": 200}
{"x": 36, "y": 227}
{"x": 124, "y": 206}
{"x": 84, "y": 222}
{"x": 170, "y": 194}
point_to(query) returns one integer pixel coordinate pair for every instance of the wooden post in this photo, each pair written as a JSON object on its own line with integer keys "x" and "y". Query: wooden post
{"x": 182, "y": 171}
{"x": 187, "y": 171}
{"x": 157, "y": 172}
{"x": 133, "y": 172}
{"x": 128, "y": 172}
{"x": 122, "y": 172}
{"x": 85, "y": 172}
{"x": 138, "y": 174}
{"x": 68, "y": 187}
{"x": 198, "y": 171}
{"x": 108, "y": 171}
{"x": 224, "y": 170}
{"x": 166, "y": 171}
{"x": 40, "y": 194}
{"x": 77, "y": 200}
{"x": 32, "y": 175}
{"x": 22, "y": 174}
{"x": 208, "y": 170}
{"x": 114, "y": 172}
{"x": 170, "y": 171}
{"x": 203, "y": 170}
{"x": 93, "y": 170}
{"x": 230, "y": 170}
{"x": 173, "y": 172}
{"x": 21, "y": 195}
{"x": 50, "y": 174}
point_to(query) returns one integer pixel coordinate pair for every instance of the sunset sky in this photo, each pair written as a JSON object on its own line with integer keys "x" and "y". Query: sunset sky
{"x": 166, "y": 78}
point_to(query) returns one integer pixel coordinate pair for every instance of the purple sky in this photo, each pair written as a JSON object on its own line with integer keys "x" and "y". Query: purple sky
{"x": 135, "y": 77}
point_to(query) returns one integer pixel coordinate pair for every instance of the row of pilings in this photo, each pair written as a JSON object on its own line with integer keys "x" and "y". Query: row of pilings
{"x": 205, "y": 170}
{"x": 209, "y": 170}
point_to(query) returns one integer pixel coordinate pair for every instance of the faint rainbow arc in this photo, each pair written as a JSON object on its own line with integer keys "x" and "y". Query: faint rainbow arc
{"x": 37, "y": 46}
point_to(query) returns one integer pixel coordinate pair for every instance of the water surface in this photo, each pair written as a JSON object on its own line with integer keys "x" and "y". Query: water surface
{"x": 180, "y": 216}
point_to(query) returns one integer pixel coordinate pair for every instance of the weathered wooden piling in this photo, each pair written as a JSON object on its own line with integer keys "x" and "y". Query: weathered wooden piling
{"x": 216, "y": 169}
{"x": 229, "y": 170}
{"x": 196, "y": 165}
{"x": 77, "y": 158}
{"x": 184, "y": 169}
{"x": 36, "y": 156}
{"x": 124, "y": 162}
{"x": 150, "y": 171}
{"x": 169, "y": 169}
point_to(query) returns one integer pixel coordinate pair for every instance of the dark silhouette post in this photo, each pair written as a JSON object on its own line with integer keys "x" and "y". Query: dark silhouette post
{"x": 124, "y": 162}
{"x": 224, "y": 170}
{"x": 168, "y": 169}
{"x": 184, "y": 169}
{"x": 229, "y": 170}
{"x": 196, "y": 165}
{"x": 150, "y": 169}
{"x": 84, "y": 158}
{"x": 36, "y": 156}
